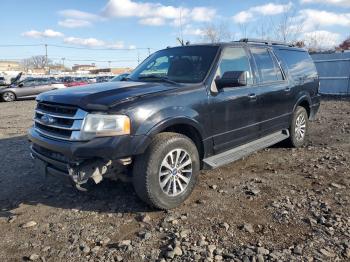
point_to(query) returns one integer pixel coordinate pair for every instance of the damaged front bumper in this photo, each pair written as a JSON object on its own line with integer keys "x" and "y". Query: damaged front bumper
{"x": 81, "y": 161}
{"x": 80, "y": 171}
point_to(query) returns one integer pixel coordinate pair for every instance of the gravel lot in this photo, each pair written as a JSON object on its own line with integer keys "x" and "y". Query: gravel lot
{"x": 279, "y": 204}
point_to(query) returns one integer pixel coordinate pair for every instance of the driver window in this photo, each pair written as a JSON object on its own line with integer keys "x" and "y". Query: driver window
{"x": 235, "y": 59}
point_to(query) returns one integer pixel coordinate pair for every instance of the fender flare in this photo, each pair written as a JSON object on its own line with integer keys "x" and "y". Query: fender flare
{"x": 302, "y": 99}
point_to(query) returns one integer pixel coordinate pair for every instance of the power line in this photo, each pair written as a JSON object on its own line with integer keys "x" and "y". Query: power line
{"x": 101, "y": 49}
{"x": 12, "y": 45}
{"x": 80, "y": 47}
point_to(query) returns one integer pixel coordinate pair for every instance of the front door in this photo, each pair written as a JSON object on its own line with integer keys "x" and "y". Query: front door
{"x": 233, "y": 109}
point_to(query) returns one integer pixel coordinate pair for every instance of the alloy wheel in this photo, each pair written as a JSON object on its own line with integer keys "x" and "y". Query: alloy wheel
{"x": 175, "y": 172}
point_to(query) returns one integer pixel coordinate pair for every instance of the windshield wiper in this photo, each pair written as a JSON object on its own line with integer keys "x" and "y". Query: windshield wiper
{"x": 161, "y": 78}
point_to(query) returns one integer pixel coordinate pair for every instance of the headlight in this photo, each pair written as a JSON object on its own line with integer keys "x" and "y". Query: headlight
{"x": 97, "y": 125}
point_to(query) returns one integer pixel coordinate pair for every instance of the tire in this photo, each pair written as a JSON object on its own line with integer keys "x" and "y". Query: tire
{"x": 8, "y": 96}
{"x": 299, "y": 128}
{"x": 155, "y": 161}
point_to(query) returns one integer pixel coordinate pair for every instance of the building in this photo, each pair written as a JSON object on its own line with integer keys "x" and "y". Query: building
{"x": 9, "y": 66}
{"x": 113, "y": 71}
{"x": 83, "y": 68}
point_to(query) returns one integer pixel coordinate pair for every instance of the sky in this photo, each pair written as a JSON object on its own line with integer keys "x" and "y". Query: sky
{"x": 124, "y": 32}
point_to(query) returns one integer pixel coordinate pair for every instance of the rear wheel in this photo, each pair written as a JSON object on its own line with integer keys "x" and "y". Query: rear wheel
{"x": 8, "y": 96}
{"x": 165, "y": 175}
{"x": 299, "y": 128}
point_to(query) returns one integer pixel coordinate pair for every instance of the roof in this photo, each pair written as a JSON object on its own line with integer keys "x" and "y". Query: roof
{"x": 248, "y": 41}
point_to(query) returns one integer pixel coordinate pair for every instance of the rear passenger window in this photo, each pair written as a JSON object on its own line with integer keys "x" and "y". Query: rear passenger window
{"x": 268, "y": 68}
{"x": 299, "y": 63}
{"x": 235, "y": 59}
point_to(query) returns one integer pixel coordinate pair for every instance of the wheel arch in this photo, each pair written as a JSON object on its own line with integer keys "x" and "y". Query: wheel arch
{"x": 304, "y": 101}
{"x": 184, "y": 126}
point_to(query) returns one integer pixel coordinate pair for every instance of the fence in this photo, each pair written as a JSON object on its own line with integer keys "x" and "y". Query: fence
{"x": 334, "y": 72}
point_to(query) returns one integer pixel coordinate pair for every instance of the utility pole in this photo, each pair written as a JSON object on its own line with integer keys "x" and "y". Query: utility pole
{"x": 149, "y": 51}
{"x": 46, "y": 55}
{"x": 138, "y": 57}
{"x": 109, "y": 64}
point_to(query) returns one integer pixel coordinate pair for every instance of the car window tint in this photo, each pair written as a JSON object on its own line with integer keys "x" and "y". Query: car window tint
{"x": 186, "y": 64}
{"x": 265, "y": 64}
{"x": 299, "y": 63}
{"x": 235, "y": 59}
{"x": 278, "y": 69}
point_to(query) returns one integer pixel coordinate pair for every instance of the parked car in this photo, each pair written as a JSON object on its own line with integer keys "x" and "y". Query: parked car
{"x": 119, "y": 77}
{"x": 2, "y": 81}
{"x": 27, "y": 88}
{"x": 76, "y": 81}
{"x": 101, "y": 79}
{"x": 210, "y": 105}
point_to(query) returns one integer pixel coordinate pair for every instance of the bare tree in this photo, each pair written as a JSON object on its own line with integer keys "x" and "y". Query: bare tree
{"x": 38, "y": 61}
{"x": 288, "y": 27}
{"x": 215, "y": 33}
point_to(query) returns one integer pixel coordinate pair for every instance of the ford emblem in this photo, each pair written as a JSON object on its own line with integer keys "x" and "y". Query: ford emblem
{"x": 47, "y": 119}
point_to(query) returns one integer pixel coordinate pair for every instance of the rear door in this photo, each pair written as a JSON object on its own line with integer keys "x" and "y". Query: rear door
{"x": 233, "y": 109}
{"x": 275, "y": 94}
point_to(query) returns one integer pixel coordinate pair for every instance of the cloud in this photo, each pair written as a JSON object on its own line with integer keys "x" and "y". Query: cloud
{"x": 48, "y": 33}
{"x": 271, "y": 9}
{"x": 265, "y": 10}
{"x": 93, "y": 42}
{"x": 75, "y": 18}
{"x": 202, "y": 14}
{"x": 74, "y": 23}
{"x": 342, "y": 3}
{"x": 89, "y": 42}
{"x": 77, "y": 14}
{"x": 311, "y": 19}
{"x": 321, "y": 38}
{"x": 157, "y": 14}
{"x": 155, "y": 21}
{"x": 189, "y": 30}
{"x": 243, "y": 17}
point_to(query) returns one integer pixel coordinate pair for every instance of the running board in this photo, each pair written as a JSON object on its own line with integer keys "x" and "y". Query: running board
{"x": 245, "y": 150}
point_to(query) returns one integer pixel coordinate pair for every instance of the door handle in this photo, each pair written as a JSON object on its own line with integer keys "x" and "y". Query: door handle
{"x": 287, "y": 89}
{"x": 252, "y": 96}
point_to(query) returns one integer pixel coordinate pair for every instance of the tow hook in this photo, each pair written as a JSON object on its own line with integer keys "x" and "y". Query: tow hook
{"x": 81, "y": 173}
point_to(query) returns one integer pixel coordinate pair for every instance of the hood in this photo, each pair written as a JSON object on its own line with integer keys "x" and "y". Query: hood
{"x": 103, "y": 95}
{"x": 17, "y": 78}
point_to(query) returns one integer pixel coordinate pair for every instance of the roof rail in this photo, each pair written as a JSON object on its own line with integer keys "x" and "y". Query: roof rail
{"x": 263, "y": 41}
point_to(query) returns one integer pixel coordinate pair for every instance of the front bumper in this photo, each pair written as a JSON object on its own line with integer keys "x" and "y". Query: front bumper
{"x": 58, "y": 157}
{"x": 104, "y": 147}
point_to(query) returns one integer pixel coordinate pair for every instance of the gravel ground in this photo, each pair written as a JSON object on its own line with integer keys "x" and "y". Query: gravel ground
{"x": 278, "y": 204}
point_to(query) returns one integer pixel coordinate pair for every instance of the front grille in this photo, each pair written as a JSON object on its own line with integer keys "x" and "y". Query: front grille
{"x": 58, "y": 121}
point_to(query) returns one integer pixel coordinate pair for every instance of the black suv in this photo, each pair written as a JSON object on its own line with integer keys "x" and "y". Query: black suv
{"x": 183, "y": 109}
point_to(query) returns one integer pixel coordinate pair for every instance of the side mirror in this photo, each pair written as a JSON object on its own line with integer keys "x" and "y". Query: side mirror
{"x": 232, "y": 79}
{"x": 20, "y": 85}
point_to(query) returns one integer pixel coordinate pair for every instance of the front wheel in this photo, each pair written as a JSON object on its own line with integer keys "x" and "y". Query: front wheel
{"x": 8, "y": 97}
{"x": 299, "y": 128}
{"x": 165, "y": 175}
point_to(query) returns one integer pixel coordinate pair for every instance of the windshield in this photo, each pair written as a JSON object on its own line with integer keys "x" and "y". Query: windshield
{"x": 188, "y": 64}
